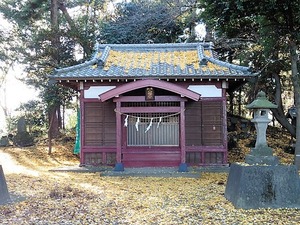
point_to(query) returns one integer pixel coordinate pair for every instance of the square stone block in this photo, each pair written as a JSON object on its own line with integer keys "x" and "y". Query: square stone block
{"x": 263, "y": 186}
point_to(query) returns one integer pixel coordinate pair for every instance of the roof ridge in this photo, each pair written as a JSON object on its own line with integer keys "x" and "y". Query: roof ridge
{"x": 70, "y": 68}
{"x": 227, "y": 64}
{"x": 206, "y": 45}
{"x": 104, "y": 56}
{"x": 201, "y": 56}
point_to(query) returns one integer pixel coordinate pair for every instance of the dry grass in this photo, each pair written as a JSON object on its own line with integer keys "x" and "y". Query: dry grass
{"x": 277, "y": 139}
{"x": 78, "y": 198}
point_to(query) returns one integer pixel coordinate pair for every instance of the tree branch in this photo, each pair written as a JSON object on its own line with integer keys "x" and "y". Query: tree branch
{"x": 74, "y": 29}
{"x": 279, "y": 113}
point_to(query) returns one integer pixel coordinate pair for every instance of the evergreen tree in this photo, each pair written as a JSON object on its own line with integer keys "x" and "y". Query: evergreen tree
{"x": 141, "y": 22}
{"x": 48, "y": 36}
{"x": 267, "y": 32}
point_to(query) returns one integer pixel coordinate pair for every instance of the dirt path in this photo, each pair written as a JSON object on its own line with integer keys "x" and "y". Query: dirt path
{"x": 9, "y": 165}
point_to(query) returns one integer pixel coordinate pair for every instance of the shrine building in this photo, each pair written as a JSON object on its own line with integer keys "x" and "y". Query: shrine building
{"x": 153, "y": 105}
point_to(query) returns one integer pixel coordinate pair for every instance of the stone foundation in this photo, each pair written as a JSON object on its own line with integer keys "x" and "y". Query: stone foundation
{"x": 263, "y": 186}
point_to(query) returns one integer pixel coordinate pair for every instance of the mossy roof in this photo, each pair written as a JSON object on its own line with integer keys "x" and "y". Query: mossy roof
{"x": 180, "y": 60}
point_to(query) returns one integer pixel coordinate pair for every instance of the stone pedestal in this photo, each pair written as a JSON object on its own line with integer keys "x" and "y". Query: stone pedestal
{"x": 263, "y": 186}
{"x": 262, "y": 155}
{"x": 4, "y": 195}
{"x": 261, "y": 182}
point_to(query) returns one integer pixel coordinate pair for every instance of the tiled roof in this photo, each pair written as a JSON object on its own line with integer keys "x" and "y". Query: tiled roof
{"x": 188, "y": 60}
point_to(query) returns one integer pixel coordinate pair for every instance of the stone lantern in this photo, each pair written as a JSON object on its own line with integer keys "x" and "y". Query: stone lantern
{"x": 261, "y": 154}
{"x": 262, "y": 182}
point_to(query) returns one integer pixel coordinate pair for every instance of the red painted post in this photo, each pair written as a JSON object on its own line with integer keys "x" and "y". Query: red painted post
{"x": 119, "y": 165}
{"x": 183, "y": 165}
{"x": 82, "y": 127}
{"x": 182, "y": 131}
{"x": 224, "y": 126}
{"x": 104, "y": 157}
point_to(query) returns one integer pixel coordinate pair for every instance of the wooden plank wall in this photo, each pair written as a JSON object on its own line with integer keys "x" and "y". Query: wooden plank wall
{"x": 204, "y": 137}
{"x": 100, "y": 124}
{"x": 204, "y": 133}
{"x": 99, "y": 133}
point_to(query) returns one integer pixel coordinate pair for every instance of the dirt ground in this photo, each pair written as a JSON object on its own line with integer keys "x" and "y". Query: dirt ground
{"x": 44, "y": 197}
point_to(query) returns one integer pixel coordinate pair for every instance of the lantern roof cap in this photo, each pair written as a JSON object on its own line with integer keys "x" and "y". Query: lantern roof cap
{"x": 261, "y": 102}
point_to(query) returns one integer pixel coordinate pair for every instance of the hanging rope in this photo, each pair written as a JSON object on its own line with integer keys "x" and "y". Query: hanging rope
{"x": 139, "y": 118}
{"x": 146, "y": 118}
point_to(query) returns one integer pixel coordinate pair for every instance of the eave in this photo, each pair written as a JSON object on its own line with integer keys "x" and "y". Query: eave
{"x": 169, "y": 62}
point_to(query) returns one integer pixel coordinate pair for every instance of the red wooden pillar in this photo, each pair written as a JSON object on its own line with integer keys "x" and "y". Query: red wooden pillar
{"x": 82, "y": 122}
{"x": 224, "y": 102}
{"x": 183, "y": 165}
{"x": 119, "y": 165}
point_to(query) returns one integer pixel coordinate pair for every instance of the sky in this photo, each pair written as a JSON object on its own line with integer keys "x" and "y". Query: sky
{"x": 16, "y": 91}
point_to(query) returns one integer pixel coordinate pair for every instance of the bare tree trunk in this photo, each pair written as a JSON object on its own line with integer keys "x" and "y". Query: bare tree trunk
{"x": 55, "y": 30}
{"x": 279, "y": 113}
{"x": 56, "y": 123}
{"x": 50, "y": 133}
{"x": 53, "y": 130}
{"x": 296, "y": 84}
{"x": 3, "y": 104}
{"x": 54, "y": 42}
{"x": 240, "y": 102}
{"x": 63, "y": 123}
{"x": 231, "y": 107}
{"x": 74, "y": 30}
{"x": 3, "y": 80}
